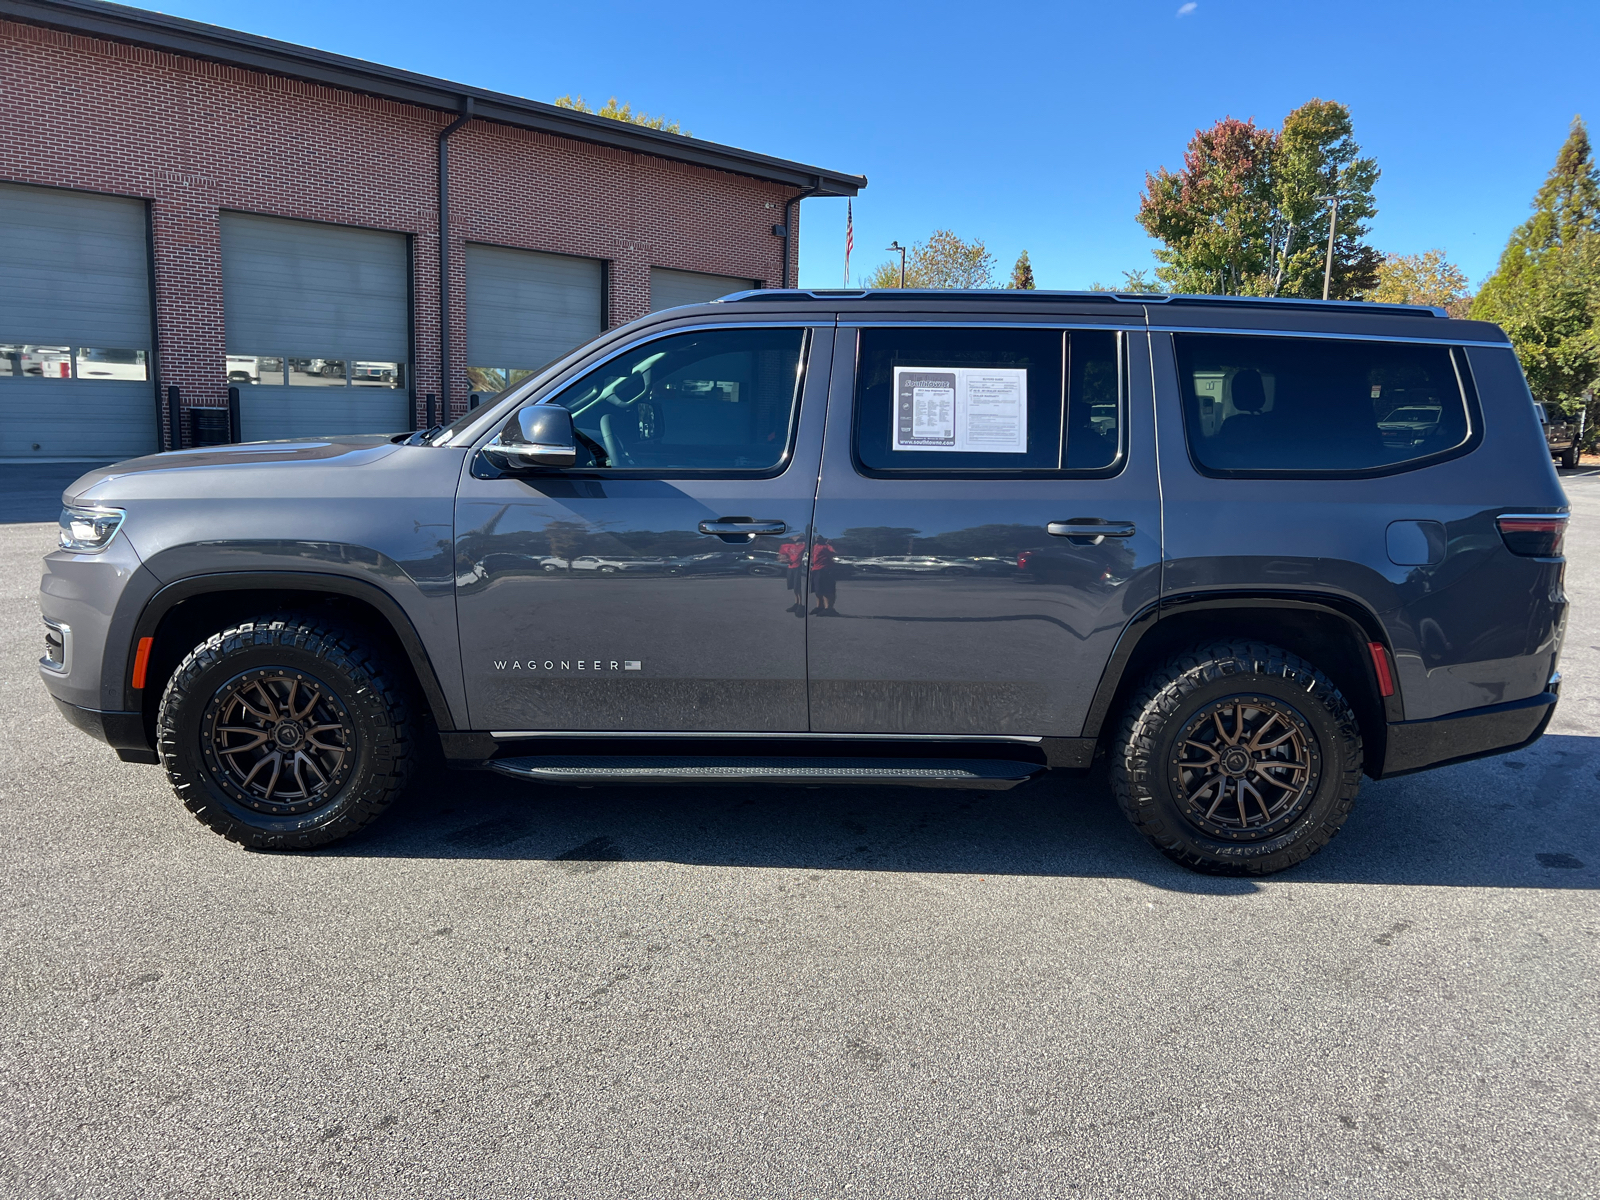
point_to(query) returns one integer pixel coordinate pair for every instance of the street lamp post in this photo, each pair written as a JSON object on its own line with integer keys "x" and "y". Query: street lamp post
{"x": 895, "y": 245}
{"x": 1327, "y": 269}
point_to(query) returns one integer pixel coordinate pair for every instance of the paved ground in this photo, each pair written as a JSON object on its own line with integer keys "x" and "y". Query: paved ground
{"x": 505, "y": 991}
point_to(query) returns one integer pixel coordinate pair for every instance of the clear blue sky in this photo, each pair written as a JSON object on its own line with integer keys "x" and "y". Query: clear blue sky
{"x": 1030, "y": 125}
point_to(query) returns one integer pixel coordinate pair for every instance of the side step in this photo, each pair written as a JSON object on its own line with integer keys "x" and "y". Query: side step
{"x": 989, "y": 774}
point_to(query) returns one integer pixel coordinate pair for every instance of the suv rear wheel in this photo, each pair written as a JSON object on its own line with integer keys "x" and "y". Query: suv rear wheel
{"x": 284, "y": 734}
{"x": 1238, "y": 759}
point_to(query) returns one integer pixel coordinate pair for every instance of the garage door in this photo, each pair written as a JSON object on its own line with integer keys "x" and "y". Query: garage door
{"x": 75, "y": 364}
{"x": 318, "y": 327}
{"x": 668, "y": 289}
{"x": 526, "y": 309}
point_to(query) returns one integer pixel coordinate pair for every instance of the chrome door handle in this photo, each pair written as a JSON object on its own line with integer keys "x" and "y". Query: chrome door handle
{"x": 1090, "y": 529}
{"x": 741, "y": 528}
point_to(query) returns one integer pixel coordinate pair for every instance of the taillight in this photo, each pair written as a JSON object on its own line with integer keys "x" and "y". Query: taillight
{"x": 1533, "y": 535}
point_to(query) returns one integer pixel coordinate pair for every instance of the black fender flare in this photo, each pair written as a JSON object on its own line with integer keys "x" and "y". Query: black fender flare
{"x": 174, "y": 593}
{"x": 1363, "y": 624}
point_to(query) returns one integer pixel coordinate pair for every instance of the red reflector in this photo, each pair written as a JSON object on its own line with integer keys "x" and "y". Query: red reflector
{"x": 1535, "y": 535}
{"x": 1380, "y": 664}
{"x": 141, "y": 661}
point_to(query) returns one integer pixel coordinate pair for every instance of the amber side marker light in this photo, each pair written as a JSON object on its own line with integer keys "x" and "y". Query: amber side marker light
{"x": 141, "y": 661}
{"x": 1380, "y": 664}
{"x": 1533, "y": 535}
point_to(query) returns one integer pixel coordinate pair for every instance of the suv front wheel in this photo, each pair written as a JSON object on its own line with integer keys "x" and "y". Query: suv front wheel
{"x": 284, "y": 734}
{"x": 1238, "y": 759}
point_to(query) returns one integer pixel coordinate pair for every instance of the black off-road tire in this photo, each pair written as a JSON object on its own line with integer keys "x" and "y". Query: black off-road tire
{"x": 1569, "y": 458}
{"x": 1148, "y": 770}
{"x": 371, "y": 700}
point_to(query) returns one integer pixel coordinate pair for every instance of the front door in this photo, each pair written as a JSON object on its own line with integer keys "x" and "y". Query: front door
{"x": 987, "y": 521}
{"x": 585, "y": 597}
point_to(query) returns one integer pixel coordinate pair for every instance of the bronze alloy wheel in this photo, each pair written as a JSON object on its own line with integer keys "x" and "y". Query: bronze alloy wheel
{"x": 278, "y": 741}
{"x": 1245, "y": 768}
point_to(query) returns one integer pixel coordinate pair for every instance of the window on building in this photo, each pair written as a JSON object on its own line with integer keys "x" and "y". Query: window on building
{"x": 960, "y": 400}
{"x": 377, "y": 374}
{"x": 317, "y": 372}
{"x": 718, "y": 400}
{"x": 23, "y": 361}
{"x": 251, "y": 370}
{"x": 1256, "y": 404}
{"x": 111, "y": 364}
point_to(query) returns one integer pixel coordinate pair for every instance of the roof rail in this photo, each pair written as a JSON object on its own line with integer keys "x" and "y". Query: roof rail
{"x": 1293, "y": 302}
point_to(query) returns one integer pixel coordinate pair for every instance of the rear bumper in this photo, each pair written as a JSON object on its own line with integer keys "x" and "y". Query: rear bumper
{"x": 1459, "y": 737}
{"x": 122, "y": 731}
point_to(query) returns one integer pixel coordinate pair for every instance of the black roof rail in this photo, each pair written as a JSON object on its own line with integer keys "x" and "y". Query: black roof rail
{"x": 1283, "y": 302}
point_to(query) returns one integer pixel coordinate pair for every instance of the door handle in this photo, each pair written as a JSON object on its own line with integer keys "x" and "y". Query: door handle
{"x": 741, "y": 529}
{"x": 1090, "y": 530}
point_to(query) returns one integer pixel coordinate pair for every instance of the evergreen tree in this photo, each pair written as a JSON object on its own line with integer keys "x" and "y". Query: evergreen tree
{"x": 1022, "y": 274}
{"x": 1545, "y": 293}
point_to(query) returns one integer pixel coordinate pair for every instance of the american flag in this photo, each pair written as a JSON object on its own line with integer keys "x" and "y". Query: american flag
{"x": 849, "y": 237}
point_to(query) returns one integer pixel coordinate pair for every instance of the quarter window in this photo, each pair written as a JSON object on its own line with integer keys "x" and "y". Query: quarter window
{"x": 958, "y": 400}
{"x": 1317, "y": 405}
{"x": 715, "y": 400}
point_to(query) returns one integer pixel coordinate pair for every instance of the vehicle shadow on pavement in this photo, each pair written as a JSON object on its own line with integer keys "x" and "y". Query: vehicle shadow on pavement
{"x": 1523, "y": 820}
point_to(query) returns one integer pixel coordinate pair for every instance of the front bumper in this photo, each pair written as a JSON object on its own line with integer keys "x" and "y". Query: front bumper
{"x": 124, "y": 732}
{"x": 1462, "y": 736}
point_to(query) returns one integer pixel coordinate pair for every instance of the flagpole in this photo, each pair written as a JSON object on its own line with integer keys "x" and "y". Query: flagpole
{"x": 849, "y": 237}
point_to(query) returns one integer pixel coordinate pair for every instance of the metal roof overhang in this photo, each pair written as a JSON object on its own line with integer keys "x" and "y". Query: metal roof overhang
{"x": 116, "y": 22}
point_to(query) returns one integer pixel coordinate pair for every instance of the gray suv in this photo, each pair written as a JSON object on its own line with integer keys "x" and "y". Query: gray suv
{"x": 1246, "y": 551}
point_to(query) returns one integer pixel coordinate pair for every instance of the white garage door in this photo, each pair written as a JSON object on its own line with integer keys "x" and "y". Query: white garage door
{"x": 526, "y": 309}
{"x": 668, "y": 289}
{"x": 318, "y": 327}
{"x": 75, "y": 363}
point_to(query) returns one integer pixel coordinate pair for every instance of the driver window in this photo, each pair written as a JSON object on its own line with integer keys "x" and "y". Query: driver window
{"x": 718, "y": 400}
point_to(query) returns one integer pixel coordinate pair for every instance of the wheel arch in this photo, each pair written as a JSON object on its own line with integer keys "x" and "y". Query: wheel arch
{"x": 183, "y": 611}
{"x": 1331, "y": 632}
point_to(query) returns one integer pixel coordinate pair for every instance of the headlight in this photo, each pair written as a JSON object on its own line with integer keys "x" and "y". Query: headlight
{"x": 89, "y": 530}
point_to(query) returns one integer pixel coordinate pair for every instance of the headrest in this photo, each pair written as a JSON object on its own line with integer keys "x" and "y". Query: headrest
{"x": 1248, "y": 394}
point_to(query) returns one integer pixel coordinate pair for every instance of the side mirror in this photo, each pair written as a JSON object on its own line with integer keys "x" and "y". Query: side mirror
{"x": 539, "y": 435}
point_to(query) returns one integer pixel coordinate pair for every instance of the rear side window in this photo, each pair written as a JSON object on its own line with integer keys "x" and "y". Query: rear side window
{"x": 1255, "y": 405}
{"x": 949, "y": 400}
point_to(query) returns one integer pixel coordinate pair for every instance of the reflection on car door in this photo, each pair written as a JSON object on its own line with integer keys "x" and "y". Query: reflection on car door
{"x": 996, "y": 650}
{"x": 709, "y": 427}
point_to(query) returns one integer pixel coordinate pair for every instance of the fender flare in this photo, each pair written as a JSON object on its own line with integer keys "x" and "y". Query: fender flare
{"x": 1361, "y": 621}
{"x": 168, "y": 597}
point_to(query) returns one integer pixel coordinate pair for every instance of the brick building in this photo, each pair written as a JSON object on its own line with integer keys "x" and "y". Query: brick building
{"x": 187, "y": 207}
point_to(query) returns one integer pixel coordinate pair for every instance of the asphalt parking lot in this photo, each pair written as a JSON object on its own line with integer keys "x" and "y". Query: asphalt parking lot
{"x": 503, "y": 990}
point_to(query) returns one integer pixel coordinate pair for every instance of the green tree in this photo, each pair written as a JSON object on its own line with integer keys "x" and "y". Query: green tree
{"x": 1247, "y": 215}
{"x": 1133, "y": 282}
{"x": 1545, "y": 293}
{"x": 1428, "y": 278}
{"x": 943, "y": 261}
{"x": 621, "y": 112}
{"x": 1022, "y": 274}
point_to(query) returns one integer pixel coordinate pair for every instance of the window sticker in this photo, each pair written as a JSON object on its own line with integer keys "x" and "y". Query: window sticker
{"x": 968, "y": 410}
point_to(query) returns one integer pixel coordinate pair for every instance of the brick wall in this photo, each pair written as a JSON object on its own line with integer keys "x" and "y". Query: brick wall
{"x": 195, "y": 137}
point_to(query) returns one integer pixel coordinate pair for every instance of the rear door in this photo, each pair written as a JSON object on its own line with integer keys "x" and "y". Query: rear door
{"x": 698, "y": 440}
{"x": 960, "y": 447}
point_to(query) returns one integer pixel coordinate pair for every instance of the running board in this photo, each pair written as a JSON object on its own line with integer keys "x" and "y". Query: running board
{"x": 989, "y": 774}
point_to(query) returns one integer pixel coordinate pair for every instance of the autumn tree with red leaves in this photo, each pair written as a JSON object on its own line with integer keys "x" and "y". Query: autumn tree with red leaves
{"x": 1247, "y": 215}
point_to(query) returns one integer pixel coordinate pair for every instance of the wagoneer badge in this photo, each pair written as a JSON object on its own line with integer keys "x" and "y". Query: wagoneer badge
{"x": 569, "y": 664}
